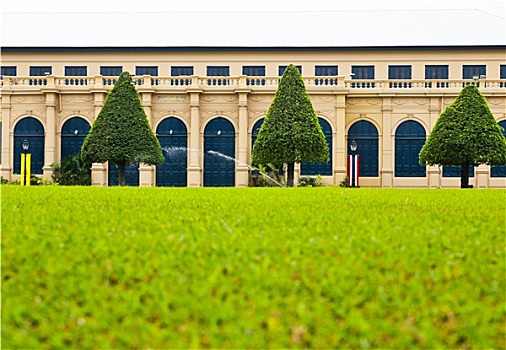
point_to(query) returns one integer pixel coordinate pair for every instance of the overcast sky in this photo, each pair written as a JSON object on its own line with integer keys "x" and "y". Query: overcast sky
{"x": 497, "y": 8}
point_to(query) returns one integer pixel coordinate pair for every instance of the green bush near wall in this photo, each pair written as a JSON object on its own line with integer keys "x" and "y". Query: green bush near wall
{"x": 86, "y": 267}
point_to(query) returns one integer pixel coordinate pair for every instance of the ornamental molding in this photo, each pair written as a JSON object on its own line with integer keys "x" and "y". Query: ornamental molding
{"x": 329, "y": 114}
{"x": 496, "y": 100}
{"x": 219, "y": 98}
{"x": 67, "y": 98}
{"x": 63, "y": 117}
{"x": 36, "y": 113}
{"x": 18, "y": 99}
{"x": 232, "y": 116}
{"x": 261, "y": 98}
{"x": 159, "y": 116}
{"x": 171, "y": 99}
{"x": 364, "y": 101}
{"x": 255, "y": 115}
{"x": 422, "y": 101}
{"x": 327, "y": 99}
{"x": 400, "y": 101}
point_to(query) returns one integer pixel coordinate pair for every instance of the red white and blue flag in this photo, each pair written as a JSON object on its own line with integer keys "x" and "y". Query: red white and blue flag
{"x": 353, "y": 170}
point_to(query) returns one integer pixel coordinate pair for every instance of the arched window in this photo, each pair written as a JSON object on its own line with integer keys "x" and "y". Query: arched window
{"x": 320, "y": 168}
{"x": 73, "y": 133}
{"x": 219, "y": 153}
{"x": 499, "y": 170}
{"x": 409, "y": 140}
{"x": 172, "y": 134}
{"x": 365, "y": 135}
{"x": 32, "y": 130}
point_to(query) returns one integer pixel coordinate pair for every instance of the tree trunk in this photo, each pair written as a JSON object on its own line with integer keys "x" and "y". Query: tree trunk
{"x": 290, "y": 174}
{"x": 121, "y": 174}
{"x": 464, "y": 175}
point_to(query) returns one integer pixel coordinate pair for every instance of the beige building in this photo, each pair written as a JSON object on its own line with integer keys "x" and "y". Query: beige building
{"x": 202, "y": 97}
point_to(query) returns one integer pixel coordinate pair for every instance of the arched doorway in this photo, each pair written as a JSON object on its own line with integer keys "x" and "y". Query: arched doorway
{"x": 499, "y": 170}
{"x": 365, "y": 135}
{"x": 32, "y": 130}
{"x": 219, "y": 153}
{"x": 73, "y": 133}
{"x": 172, "y": 134}
{"x": 320, "y": 168}
{"x": 409, "y": 140}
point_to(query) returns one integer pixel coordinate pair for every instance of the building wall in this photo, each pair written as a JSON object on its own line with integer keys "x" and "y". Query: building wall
{"x": 53, "y": 100}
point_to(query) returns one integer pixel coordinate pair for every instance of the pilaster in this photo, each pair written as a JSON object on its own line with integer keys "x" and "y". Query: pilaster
{"x": 387, "y": 172}
{"x": 339, "y": 139}
{"x": 98, "y": 102}
{"x": 146, "y": 105}
{"x": 50, "y": 139}
{"x": 242, "y": 169}
{"x": 194, "y": 168}
{"x": 434, "y": 171}
{"x": 6, "y": 136}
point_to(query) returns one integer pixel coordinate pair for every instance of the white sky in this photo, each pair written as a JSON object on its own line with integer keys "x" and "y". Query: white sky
{"x": 497, "y": 8}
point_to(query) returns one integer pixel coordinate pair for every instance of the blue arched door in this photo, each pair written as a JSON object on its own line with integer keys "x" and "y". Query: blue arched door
{"x": 365, "y": 135}
{"x": 219, "y": 153}
{"x": 32, "y": 130}
{"x": 499, "y": 170}
{"x": 409, "y": 140}
{"x": 172, "y": 134}
{"x": 73, "y": 133}
{"x": 320, "y": 168}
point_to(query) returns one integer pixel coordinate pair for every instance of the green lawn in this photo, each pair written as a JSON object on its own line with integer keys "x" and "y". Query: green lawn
{"x": 252, "y": 268}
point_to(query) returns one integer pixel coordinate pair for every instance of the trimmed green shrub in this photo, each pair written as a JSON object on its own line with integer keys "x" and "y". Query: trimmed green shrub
{"x": 290, "y": 133}
{"x": 465, "y": 134}
{"x": 121, "y": 134}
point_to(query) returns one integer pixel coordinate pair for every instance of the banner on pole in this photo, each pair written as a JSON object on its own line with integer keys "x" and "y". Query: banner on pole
{"x": 28, "y": 168}
{"x": 26, "y": 159}
{"x": 23, "y": 174}
{"x": 353, "y": 170}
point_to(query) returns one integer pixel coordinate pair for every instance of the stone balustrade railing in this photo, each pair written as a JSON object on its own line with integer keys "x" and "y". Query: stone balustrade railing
{"x": 323, "y": 83}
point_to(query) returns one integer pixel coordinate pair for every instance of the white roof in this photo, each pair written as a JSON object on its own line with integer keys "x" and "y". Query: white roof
{"x": 254, "y": 29}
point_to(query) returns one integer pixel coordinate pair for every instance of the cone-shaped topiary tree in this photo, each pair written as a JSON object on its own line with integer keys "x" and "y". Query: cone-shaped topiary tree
{"x": 465, "y": 134}
{"x": 121, "y": 134}
{"x": 291, "y": 132}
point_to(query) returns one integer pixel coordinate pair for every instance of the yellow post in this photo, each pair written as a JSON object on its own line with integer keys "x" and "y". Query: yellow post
{"x": 28, "y": 168}
{"x": 22, "y": 179}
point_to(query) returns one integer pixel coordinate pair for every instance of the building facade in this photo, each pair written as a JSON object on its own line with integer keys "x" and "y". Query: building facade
{"x": 386, "y": 99}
